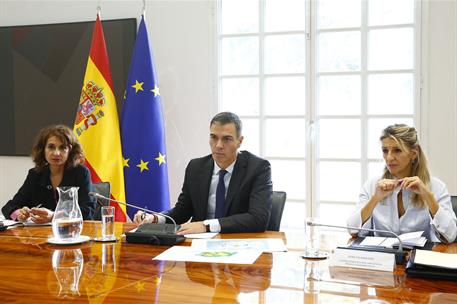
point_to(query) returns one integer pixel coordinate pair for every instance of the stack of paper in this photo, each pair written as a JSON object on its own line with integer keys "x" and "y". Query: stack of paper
{"x": 28, "y": 223}
{"x": 432, "y": 265}
{"x": 410, "y": 239}
{"x": 10, "y": 223}
{"x": 436, "y": 259}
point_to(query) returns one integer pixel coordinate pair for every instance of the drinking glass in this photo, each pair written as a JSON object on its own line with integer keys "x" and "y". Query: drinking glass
{"x": 107, "y": 223}
{"x": 312, "y": 240}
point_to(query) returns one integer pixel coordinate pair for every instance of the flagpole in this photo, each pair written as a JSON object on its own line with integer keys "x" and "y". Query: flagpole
{"x": 99, "y": 9}
{"x": 144, "y": 9}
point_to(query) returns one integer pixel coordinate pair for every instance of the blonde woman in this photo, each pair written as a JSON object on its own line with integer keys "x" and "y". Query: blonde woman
{"x": 406, "y": 198}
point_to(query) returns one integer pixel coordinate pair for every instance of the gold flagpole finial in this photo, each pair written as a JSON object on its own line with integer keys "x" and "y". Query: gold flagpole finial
{"x": 99, "y": 8}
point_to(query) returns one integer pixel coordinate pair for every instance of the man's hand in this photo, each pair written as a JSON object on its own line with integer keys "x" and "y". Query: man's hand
{"x": 41, "y": 215}
{"x": 143, "y": 218}
{"x": 192, "y": 227}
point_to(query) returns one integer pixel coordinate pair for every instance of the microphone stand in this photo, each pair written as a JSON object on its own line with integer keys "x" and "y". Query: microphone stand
{"x": 399, "y": 253}
{"x": 97, "y": 195}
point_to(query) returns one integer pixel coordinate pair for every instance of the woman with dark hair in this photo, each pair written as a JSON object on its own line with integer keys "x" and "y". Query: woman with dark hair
{"x": 58, "y": 158}
{"x": 405, "y": 198}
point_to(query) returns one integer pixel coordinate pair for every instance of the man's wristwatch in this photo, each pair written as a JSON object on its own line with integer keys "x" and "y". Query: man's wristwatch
{"x": 206, "y": 224}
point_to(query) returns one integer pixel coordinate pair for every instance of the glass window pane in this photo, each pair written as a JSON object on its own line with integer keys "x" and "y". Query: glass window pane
{"x": 239, "y": 16}
{"x": 336, "y": 214}
{"x": 240, "y": 96}
{"x": 289, "y": 176}
{"x": 251, "y": 135}
{"x": 375, "y": 169}
{"x": 339, "y": 52}
{"x": 295, "y": 213}
{"x": 285, "y": 95}
{"x": 391, "y": 49}
{"x": 375, "y": 127}
{"x": 285, "y": 54}
{"x": 390, "y": 94}
{"x": 285, "y": 137}
{"x": 339, "y": 138}
{"x": 339, "y": 95}
{"x": 384, "y": 12}
{"x": 240, "y": 55}
{"x": 337, "y": 13}
{"x": 339, "y": 181}
{"x": 284, "y": 15}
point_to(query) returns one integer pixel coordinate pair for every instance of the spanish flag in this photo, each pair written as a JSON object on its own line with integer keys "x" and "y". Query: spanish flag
{"x": 97, "y": 122}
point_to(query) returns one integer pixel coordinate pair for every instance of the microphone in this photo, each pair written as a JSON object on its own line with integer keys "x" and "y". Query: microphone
{"x": 399, "y": 253}
{"x": 149, "y": 233}
{"x": 97, "y": 195}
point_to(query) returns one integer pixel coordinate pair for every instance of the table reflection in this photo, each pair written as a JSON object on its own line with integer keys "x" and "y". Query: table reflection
{"x": 108, "y": 258}
{"x": 100, "y": 269}
{"x": 230, "y": 280}
{"x": 68, "y": 265}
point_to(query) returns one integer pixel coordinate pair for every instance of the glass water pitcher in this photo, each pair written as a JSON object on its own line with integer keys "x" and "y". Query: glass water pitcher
{"x": 67, "y": 222}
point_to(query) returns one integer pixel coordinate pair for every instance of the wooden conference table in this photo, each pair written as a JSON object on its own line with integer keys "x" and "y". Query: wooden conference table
{"x": 32, "y": 271}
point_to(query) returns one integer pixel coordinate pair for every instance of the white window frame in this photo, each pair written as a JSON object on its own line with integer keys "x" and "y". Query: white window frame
{"x": 311, "y": 116}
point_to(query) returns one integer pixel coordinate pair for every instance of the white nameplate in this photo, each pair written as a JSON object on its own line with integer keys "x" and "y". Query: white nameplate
{"x": 363, "y": 259}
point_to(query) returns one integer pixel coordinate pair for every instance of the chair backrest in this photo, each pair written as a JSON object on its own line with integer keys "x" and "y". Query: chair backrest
{"x": 102, "y": 188}
{"x": 454, "y": 207}
{"x": 454, "y": 204}
{"x": 277, "y": 207}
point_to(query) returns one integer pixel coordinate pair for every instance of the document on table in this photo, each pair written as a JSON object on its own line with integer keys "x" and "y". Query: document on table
{"x": 412, "y": 239}
{"x": 205, "y": 235}
{"x": 437, "y": 259}
{"x": 10, "y": 223}
{"x": 30, "y": 223}
{"x": 264, "y": 245}
{"x": 192, "y": 254}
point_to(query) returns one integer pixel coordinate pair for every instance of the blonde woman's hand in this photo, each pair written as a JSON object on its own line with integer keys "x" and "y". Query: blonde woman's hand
{"x": 384, "y": 187}
{"x": 415, "y": 184}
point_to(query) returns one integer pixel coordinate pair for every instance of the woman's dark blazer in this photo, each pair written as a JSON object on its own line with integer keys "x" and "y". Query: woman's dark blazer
{"x": 37, "y": 189}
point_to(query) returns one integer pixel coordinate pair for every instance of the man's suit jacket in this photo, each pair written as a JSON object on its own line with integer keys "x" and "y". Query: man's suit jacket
{"x": 248, "y": 199}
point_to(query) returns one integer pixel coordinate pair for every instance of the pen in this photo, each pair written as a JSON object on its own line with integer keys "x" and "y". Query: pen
{"x": 33, "y": 215}
{"x": 190, "y": 219}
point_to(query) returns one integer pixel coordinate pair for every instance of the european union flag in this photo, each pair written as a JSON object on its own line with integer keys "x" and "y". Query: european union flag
{"x": 143, "y": 134}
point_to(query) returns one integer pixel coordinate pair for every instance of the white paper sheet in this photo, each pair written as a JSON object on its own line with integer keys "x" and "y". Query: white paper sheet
{"x": 264, "y": 245}
{"x": 30, "y": 223}
{"x": 412, "y": 239}
{"x": 206, "y": 235}
{"x": 373, "y": 241}
{"x": 10, "y": 223}
{"x": 192, "y": 254}
{"x": 434, "y": 258}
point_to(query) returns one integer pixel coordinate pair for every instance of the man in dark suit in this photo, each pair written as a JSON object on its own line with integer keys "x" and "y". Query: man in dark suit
{"x": 227, "y": 191}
